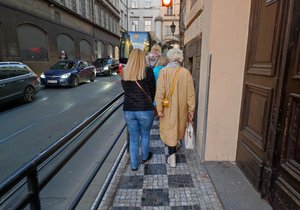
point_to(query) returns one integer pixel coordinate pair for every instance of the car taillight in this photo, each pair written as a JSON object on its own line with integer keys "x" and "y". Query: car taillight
{"x": 120, "y": 68}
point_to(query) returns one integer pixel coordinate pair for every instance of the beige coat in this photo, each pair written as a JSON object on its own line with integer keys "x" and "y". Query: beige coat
{"x": 172, "y": 124}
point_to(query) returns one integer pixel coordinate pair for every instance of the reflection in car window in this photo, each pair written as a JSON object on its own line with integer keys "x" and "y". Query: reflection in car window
{"x": 21, "y": 70}
{"x": 64, "y": 65}
{"x": 5, "y": 72}
{"x": 101, "y": 61}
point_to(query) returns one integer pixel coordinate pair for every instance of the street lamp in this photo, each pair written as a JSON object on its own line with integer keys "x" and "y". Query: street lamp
{"x": 173, "y": 26}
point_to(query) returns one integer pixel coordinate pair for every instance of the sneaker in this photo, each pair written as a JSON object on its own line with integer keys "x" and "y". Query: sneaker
{"x": 134, "y": 169}
{"x": 172, "y": 160}
{"x": 150, "y": 154}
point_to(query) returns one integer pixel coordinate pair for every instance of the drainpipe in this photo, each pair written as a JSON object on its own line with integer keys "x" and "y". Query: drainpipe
{"x": 202, "y": 158}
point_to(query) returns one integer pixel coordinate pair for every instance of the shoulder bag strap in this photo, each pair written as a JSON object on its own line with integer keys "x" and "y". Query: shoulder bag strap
{"x": 138, "y": 84}
{"x": 174, "y": 81}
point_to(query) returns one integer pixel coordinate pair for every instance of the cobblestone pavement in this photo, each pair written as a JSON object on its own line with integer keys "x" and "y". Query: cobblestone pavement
{"x": 158, "y": 186}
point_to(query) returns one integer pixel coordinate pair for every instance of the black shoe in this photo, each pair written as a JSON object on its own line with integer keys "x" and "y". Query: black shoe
{"x": 150, "y": 154}
{"x": 134, "y": 169}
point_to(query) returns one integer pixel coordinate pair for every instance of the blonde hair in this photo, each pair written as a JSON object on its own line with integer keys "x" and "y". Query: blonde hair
{"x": 135, "y": 67}
{"x": 162, "y": 61}
{"x": 156, "y": 47}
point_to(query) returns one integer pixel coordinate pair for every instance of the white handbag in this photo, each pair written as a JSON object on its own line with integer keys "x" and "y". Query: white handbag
{"x": 189, "y": 137}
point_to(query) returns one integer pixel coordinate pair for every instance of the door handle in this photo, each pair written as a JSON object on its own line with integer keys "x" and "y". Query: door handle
{"x": 21, "y": 80}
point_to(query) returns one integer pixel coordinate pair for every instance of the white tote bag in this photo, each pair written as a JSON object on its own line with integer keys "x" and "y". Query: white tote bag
{"x": 189, "y": 137}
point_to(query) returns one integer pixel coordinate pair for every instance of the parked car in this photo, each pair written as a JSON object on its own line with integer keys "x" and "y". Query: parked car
{"x": 68, "y": 73}
{"x": 17, "y": 80}
{"x": 106, "y": 66}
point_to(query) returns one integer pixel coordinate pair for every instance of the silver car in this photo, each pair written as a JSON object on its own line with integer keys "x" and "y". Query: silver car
{"x": 17, "y": 80}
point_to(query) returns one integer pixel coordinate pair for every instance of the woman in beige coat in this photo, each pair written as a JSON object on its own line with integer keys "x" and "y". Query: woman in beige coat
{"x": 173, "y": 119}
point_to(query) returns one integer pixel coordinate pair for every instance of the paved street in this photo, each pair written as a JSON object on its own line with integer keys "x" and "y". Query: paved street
{"x": 157, "y": 186}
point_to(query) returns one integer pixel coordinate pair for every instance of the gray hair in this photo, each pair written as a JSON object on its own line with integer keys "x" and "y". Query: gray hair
{"x": 175, "y": 54}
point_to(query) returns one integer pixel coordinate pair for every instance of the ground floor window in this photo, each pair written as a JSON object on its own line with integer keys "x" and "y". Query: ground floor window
{"x": 100, "y": 49}
{"x": 65, "y": 43}
{"x": 32, "y": 49}
{"x": 110, "y": 51}
{"x": 85, "y": 50}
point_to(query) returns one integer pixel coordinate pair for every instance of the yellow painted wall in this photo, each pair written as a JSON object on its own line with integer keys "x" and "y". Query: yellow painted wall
{"x": 227, "y": 42}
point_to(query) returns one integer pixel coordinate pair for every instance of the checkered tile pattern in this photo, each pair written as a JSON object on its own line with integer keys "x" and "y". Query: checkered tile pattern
{"x": 158, "y": 186}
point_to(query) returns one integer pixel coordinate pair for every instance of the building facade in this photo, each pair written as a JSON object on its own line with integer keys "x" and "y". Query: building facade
{"x": 170, "y": 16}
{"x": 150, "y": 16}
{"x": 35, "y": 31}
{"x": 245, "y": 56}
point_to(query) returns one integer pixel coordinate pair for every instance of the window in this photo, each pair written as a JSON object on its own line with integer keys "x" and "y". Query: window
{"x": 21, "y": 70}
{"x": 78, "y": 7}
{"x": 65, "y": 43}
{"x": 57, "y": 16}
{"x": 110, "y": 51}
{"x": 97, "y": 17}
{"x": 69, "y": 4}
{"x": 87, "y": 9}
{"x": 6, "y": 72}
{"x": 100, "y": 49}
{"x": 134, "y": 4}
{"x": 102, "y": 17}
{"x": 148, "y": 3}
{"x": 116, "y": 53}
{"x": 147, "y": 25}
{"x": 170, "y": 10}
{"x": 85, "y": 50}
{"x": 168, "y": 31}
{"x": 135, "y": 25}
{"x": 32, "y": 49}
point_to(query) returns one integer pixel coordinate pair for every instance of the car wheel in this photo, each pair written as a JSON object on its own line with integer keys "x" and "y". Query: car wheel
{"x": 29, "y": 94}
{"x": 75, "y": 82}
{"x": 93, "y": 77}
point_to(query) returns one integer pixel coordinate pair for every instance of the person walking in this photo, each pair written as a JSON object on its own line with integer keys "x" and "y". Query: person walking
{"x": 161, "y": 63}
{"x": 174, "y": 85}
{"x": 139, "y": 89}
{"x": 153, "y": 56}
{"x": 63, "y": 55}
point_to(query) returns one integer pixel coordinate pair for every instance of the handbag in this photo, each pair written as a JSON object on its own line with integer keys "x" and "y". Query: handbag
{"x": 166, "y": 100}
{"x": 155, "y": 110}
{"x": 189, "y": 137}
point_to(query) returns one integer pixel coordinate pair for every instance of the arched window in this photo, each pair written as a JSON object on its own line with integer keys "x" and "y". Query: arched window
{"x": 110, "y": 51}
{"x": 65, "y": 43}
{"x": 116, "y": 52}
{"x": 32, "y": 49}
{"x": 85, "y": 50}
{"x": 100, "y": 49}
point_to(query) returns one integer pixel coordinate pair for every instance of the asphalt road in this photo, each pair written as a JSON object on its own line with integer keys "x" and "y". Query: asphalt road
{"x": 28, "y": 129}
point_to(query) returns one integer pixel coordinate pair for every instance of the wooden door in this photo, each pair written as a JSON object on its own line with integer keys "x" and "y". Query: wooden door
{"x": 256, "y": 139}
{"x": 287, "y": 181}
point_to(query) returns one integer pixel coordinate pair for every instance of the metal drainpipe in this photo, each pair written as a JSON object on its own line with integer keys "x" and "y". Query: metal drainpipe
{"x": 202, "y": 158}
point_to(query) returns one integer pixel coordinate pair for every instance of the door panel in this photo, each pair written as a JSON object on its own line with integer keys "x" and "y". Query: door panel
{"x": 287, "y": 182}
{"x": 255, "y": 140}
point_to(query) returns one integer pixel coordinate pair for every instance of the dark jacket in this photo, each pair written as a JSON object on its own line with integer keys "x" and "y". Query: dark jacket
{"x": 135, "y": 99}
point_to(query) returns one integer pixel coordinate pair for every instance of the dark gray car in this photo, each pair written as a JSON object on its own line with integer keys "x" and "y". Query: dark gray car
{"x": 17, "y": 80}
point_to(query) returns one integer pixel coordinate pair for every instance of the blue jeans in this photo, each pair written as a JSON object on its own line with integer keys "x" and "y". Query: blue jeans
{"x": 139, "y": 124}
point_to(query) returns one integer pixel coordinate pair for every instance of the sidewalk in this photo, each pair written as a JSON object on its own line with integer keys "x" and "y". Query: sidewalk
{"x": 158, "y": 186}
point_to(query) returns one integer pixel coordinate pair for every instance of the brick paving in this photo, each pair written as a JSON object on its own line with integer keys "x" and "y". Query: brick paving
{"x": 158, "y": 186}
